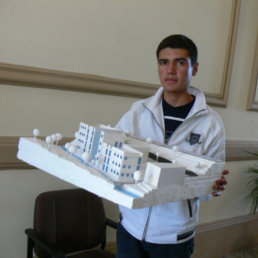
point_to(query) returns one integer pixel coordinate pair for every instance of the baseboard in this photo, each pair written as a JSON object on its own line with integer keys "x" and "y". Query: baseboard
{"x": 111, "y": 247}
{"x": 216, "y": 239}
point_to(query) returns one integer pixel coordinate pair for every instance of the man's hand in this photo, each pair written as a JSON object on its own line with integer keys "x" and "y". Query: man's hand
{"x": 219, "y": 184}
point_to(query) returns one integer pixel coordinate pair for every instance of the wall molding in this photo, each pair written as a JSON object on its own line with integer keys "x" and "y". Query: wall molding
{"x": 20, "y": 75}
{"x": 252, "y": 104}
{"x": 9, "y": 149}
{"x": 205, "y": 227}
{"x": 222, "y": 98}
{"x": 236, "y": 150}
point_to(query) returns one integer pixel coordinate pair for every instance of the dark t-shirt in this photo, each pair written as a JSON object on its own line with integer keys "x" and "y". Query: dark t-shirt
{"x": 174, "y": 116}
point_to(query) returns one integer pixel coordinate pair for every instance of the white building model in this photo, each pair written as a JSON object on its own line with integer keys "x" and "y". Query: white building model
{"x": 107, "y": 152}
{"x": 126, "y": 170}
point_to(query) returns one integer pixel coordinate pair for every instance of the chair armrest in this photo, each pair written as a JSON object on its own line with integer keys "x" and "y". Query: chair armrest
{"x": 111, "y": 223}
{"x": 50, "y": 248}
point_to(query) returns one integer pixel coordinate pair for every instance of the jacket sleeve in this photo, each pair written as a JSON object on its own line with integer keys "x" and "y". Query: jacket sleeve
{"x": 216, "y": 149}
{"x": 124, "y": 123}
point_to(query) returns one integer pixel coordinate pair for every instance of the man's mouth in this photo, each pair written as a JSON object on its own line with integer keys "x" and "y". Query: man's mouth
{"x": 172, "y": 80}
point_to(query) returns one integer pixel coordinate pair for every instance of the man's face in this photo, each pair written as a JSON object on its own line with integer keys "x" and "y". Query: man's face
{"x": 175, "y": 70}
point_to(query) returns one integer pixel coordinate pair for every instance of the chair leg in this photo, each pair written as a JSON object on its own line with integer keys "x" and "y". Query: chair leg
{"x": 103, "y": 244}
{"x": 30, "y": 245}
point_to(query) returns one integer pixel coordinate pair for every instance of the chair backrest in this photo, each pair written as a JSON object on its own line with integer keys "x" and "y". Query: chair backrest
{"x": 72, "y": 220}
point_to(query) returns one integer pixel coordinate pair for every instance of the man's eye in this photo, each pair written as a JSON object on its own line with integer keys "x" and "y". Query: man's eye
{"x": 181, "y": 62}
{"x": 163, "y": 63}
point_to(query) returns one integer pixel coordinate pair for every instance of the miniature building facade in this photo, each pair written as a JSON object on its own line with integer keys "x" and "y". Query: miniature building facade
{"x": 110, "y": 138}
{"x": 109, "y": 154}
{"x": 164, "y": 174}
{"x": 85, "y": 138}
{"x": 119, "y": 163}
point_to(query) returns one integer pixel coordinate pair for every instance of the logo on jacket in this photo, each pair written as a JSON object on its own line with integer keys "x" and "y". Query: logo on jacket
{"x": 194, "y": 138}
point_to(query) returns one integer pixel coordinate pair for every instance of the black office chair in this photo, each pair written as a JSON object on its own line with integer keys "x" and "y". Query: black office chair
{"x": 69, "y": 221}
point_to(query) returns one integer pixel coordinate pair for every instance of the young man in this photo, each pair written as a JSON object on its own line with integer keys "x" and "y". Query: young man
{"x": 176, "y": 115}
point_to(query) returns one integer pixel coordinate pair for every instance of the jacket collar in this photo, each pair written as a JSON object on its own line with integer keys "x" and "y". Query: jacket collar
{"x": 154, "y": 104}
{"x": 200, "y": 101}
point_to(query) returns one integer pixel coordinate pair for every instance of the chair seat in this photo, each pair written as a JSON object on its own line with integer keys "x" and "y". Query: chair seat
{"x": 94, "y": 254}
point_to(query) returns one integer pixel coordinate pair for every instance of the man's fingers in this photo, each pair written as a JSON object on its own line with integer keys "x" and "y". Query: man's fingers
{"x": 225, "y": 172}
{"x": 217, "y": 193}
{"x": 222, "y": 181}
{"x": 219, "y": 187}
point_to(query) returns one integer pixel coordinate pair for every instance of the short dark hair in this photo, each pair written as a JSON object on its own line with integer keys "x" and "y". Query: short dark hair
{"x": 179, "y": 41}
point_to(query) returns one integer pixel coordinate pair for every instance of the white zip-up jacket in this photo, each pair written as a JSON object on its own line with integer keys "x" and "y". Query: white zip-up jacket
{"x": 203, "y": 133}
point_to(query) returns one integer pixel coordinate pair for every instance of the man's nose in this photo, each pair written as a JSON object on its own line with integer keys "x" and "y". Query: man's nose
{"x": 172, "y": 68}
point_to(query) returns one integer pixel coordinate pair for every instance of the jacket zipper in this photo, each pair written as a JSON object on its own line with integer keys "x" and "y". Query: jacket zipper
{"x": 190, "y": 208}
{"x": 163, "y": 131}
{"x": 188, "y": 201}
{"x": 146, "y": 224}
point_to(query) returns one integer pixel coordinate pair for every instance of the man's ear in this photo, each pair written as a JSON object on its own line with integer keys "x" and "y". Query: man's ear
{"x": 195, "y": 68}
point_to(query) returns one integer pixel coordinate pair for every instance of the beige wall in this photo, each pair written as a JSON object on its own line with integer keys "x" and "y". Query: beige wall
{"x": 69, "y": 35}
{"x": 239, "y": 123}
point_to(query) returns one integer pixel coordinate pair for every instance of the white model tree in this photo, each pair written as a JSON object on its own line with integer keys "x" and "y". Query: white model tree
{"x": 53, "y": 138}
{"x": 149, "y": 140}
{"x": 67, "y": 145}
{"x": 157, "y": 156}
{"x": 175, "y": 149}
{"x": 127, "y": 132}
{"x": 36, "y": 133}
{"x": 71, "y": 149}
{"x": 76, "y": 135}
{"x": 137, "y": 176}
{"x": 86, "y": 157}
{"x": 59, "y": 137}
{"x": 48, "y": 140}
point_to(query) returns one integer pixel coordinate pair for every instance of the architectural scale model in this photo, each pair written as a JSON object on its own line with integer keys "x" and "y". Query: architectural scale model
{"x": 125, "y": 170}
